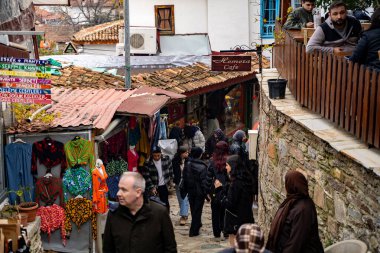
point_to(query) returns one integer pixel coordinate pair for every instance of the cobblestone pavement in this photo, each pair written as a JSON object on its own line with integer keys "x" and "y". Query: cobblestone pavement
{"x": 205, "y": 242}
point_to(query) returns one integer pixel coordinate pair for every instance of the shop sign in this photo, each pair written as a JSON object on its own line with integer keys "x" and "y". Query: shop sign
{"x": 24, "y": 81}
{"x": 230, "y": 63}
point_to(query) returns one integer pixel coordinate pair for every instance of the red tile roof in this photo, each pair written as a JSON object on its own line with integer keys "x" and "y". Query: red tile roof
{"x": 107, "y": 33}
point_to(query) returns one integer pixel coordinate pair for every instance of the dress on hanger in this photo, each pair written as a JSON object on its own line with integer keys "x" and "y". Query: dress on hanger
{"x": 50, "y": 153}
{"x": 133, "y": 159}
{"x": 99, "y": 190}
{"x": 48, "y": 189}
{"x": 80, "y": 152}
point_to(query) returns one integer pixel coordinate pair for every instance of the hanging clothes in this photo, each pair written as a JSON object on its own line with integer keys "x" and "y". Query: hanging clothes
{"x": 133, "y": 159}
{"x": 80, "y": 152}
{"x": 115, "y": 147}
{"x": 49, "y": 153}
{"x": 99, "y": 189}
{"x": 134, "y": 132}
{"x": 163, "y": 128}
{"x": 79, "y": 211}
{"x": 156, "y": 135}
{"x": 142, "y": 146}
{"x": 113, "y": 186}
{"x": 52, "y": 218}
{"x": 48, "y": 189}
{"x": 76, "y": 182}
{"x": 18, "y": 157}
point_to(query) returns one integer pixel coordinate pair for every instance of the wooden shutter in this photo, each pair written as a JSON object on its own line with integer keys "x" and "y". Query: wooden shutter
{"x": 165, "y": 19}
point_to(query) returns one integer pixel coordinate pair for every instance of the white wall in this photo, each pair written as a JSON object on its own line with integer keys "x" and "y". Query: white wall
{"x": 228, "y": 23}
{"x": 254, "y": 23}
{"x": 98, "y": 49}
{"x": 190, "y": 16}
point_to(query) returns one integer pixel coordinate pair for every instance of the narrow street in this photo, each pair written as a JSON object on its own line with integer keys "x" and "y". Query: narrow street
{"x": 205, "y": 242}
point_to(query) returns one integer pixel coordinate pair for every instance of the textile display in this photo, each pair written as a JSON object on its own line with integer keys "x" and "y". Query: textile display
{"x": 134, "y": 131}
{"x": 143, "y": 145}
{"x": 79, "y": 211}
{"x": 99, "y": 189}
{"x": 49, "y": 153}
{"x": 18, "y": 157}
{"x": 80, "y": 152}
{"x": 115, "y": 147}
{"x": 113, "y": 186}
{"x": 76, "y": 182}
{"x": 133, "y": 159}
{"x": 116, "y": 167}
{"x": 52, "y": 218}
{"x": 48, "y": 189}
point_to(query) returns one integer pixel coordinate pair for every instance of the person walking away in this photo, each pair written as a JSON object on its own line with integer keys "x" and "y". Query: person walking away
{"x": 137, "y": 225}
{"x": 178, "y": 163}
{"x": 236, "y": 198}
{"x": 158, "y": 172}
{"x": 238, "y": 143}
{"x": 217, "y": 171}
{"x": 301, "y": 17}
{"x": 194, "y": 184}
{"x": 194, "y": 137}
{"x": 294, "y": 228}
{"x": 249, "y": 239}
{"x": 368, "y": 48}
{"x": 211, "y": 142}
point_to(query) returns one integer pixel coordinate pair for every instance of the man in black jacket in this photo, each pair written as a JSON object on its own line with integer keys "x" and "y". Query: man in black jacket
{"x": 137, "y": 225}
{"x": 194, "y": 184}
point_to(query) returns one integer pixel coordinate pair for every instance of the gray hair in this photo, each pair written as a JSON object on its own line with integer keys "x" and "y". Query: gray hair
{"x": 139, "y": 181}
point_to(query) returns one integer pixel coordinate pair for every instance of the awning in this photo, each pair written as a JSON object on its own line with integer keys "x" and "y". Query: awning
{"x": 142, "y": 104}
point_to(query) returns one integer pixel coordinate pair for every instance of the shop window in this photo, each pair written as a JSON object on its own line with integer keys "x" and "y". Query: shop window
{"x": 164, "y": 15}
{"x": 269, "y": 12}
{"x": 234, "y": 110}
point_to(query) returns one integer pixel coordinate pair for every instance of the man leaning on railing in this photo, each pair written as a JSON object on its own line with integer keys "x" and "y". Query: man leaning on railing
{"x": 339, "y": 34}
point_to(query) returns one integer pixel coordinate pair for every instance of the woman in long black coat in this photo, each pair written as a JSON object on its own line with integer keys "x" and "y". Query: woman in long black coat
{"x": 236, "y": 197}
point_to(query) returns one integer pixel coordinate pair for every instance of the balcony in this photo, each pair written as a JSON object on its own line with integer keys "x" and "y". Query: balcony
{"x": 345, "y": 93}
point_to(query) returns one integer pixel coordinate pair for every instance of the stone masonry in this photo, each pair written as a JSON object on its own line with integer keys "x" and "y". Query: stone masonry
{"x": 346, "y": 193}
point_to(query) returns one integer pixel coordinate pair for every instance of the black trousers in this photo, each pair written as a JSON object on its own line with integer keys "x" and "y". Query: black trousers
{"x": 196, "y": 207}
{"x": 217, "y": 216}
{"x": 163, "y": 193}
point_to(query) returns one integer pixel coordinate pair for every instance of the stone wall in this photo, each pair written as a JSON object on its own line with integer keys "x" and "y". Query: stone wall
{"x": 346, "y": 194}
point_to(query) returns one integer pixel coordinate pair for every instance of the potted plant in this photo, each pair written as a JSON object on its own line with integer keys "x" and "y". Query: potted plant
{"x": 29, "y": 208}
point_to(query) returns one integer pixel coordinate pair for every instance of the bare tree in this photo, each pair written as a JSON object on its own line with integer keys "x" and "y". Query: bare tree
{"x": 89, "y": 12}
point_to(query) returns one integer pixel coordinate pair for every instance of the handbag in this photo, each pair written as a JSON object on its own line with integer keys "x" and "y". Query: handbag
{"x": 231, "y": 222}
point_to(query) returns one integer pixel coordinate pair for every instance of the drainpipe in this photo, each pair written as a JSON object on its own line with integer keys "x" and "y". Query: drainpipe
{"x": 114, "y": 123}
{"x": 30, "y": 119}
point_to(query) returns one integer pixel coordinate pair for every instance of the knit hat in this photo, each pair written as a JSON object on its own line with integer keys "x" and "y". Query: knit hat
{"x": 196, "y": 152}
{"x": 239, "y": 135}
{"x": 249, "y": 239}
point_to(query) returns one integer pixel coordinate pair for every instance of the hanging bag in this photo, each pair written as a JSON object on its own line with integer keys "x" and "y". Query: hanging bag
{"x": 231, "y": 222}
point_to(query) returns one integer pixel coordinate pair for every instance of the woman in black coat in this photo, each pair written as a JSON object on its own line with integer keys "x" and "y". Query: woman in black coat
{"x": 236, "y": 197}
{"x": 366, "y": 52}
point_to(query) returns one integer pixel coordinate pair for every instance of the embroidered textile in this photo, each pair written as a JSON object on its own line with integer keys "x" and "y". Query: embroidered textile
{"x": 80, "y": 152}
{"x": 52, "y": 218}
{"x": 115, "y": 147}
{"x": 79, "y": 211}
{"x": 76, "y": 182}
{"x": 48, "y": 189}
{"x": 116, "y": 167}
{"x": 113, "y": 186}
{"x": 50, "y": 153}
{"x": 100, "y": 189}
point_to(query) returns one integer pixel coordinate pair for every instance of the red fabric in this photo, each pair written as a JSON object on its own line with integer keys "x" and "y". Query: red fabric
{"x": 114, "y": 147}
{"x": 50, "y": 153}
{"x": 132, "y": 160}
{"x": 52, "y": 218}
{"x": 48, "y": 189}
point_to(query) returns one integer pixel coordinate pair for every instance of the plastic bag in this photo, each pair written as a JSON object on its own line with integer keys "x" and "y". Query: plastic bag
{"x": 168, "y": 147}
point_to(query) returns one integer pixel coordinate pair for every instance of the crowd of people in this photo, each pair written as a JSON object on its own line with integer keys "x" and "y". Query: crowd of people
{"x": 340, "y": 33}
{"x": 217, "y": 171}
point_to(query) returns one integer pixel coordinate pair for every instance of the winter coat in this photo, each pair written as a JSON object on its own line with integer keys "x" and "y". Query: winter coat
{"x": 198, "y": 140}
{"x": 211, "y": 143}
{"x": 300, "y": 231}
{"x": 237, "y": 198}
{"x": 298, "y": 19}
{"x": 176, "y": 163}
{"x": 325, "y": 37}
{"x": 150, "y": 172}
{"x": 366, "y": 51}
{"x": 212, "y": 174}
{"x": 194, "y": 178}
{"x": 150, "y": 230}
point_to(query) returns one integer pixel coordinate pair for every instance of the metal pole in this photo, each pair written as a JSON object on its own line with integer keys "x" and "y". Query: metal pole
{"x": 127, "y": 47}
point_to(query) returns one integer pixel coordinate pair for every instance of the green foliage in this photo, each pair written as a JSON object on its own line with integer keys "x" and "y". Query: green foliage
{"x": 21, "y": 191}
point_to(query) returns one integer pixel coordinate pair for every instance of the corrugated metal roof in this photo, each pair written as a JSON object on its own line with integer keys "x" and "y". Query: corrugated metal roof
{"x": 88, "y": 107}
{"x": 143, "y": 104}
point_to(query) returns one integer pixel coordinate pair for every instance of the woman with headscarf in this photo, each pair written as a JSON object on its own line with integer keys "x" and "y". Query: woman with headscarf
{"x": 211, "y": 142}
{"x": 238, "y": 143}
{"x": 236, "y": 197}
{"x": 217, "y": 171}
{"x": 194, "y": 137}
{"x": 294, "y": 228}
{"x": 178, "y": 164}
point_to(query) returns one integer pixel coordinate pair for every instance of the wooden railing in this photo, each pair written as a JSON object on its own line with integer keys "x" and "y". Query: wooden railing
{"x": 347, "y": 94}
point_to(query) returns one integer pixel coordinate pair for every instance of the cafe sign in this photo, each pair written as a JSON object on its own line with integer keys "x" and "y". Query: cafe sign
{"x": 230, "y": 63}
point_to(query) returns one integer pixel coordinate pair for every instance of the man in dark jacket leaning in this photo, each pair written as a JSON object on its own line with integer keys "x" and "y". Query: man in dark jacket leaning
{"x": 301, "y": 17}
{"x": 136, "y": 225}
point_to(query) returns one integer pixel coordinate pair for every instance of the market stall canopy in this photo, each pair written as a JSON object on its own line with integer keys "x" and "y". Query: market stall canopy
{"x": 143, "y": 104}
